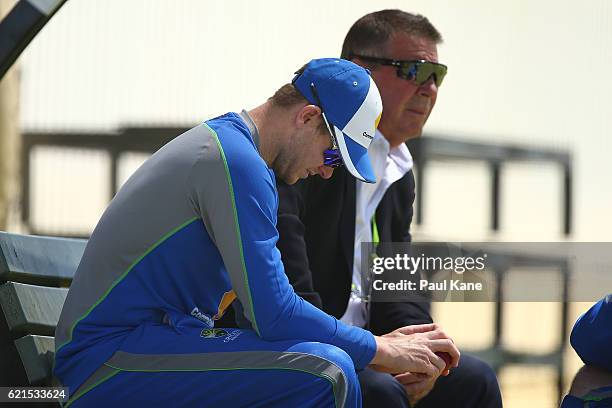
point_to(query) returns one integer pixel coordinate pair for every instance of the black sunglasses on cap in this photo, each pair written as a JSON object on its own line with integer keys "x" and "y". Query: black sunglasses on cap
{"x": 418, "y": 71}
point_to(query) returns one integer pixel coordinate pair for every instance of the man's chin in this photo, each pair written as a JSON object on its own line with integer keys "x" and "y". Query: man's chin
{"x": 413, "y": 131}
{"x": 415, "y": 135}
{"x": 289, "y": 179}
{"x": 402, "y": 137}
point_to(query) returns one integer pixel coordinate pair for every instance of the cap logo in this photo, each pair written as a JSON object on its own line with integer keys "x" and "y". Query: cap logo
{"x": 362, "y": 125}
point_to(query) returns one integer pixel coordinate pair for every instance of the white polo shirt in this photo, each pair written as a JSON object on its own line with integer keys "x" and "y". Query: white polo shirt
{"x": 389, "y": 166}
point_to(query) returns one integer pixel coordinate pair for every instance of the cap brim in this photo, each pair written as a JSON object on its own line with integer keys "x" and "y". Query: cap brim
{"x": 355, "y": 158}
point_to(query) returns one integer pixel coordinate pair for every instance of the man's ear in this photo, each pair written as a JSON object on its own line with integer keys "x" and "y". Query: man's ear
{"x": 358, "y": 61}
{"x": 307, "y": 114}
{"x": 363, "y": 64}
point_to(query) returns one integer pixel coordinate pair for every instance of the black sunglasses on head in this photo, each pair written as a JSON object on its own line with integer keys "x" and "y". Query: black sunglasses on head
{"x": 418, "y": 71}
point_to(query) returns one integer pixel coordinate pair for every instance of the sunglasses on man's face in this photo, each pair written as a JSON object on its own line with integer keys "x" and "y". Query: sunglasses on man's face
{"x": 331, "y": 157}
{"x": 418, "y": 71}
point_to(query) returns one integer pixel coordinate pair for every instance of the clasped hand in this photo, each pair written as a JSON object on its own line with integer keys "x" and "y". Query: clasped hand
{"x": 415, "y": 355}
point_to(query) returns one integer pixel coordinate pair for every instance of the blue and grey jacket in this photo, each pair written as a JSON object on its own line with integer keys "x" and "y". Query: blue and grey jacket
{"x": 193, "y": 229}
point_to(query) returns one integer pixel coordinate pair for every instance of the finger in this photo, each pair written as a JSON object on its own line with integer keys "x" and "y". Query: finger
{"x": 446, "y": 357}
{"x": 437, "y": 334}
{"x": 438, "y": 362}
{"x": 409, "y": 378}
{"x": 426, "y": 366}
{"x": 447, "y": 346}
{"x": 418, "y": 328}
{"x": 418, "y": 388}
{"x": 381, "y": 369}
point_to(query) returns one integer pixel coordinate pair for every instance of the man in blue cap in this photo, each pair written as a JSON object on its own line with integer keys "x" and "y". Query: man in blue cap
{"x": 193, "y": 231}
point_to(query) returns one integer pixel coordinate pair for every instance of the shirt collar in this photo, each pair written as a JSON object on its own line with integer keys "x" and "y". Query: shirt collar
{"x": 244, "y": 115}
{"x": 400, "y": 154}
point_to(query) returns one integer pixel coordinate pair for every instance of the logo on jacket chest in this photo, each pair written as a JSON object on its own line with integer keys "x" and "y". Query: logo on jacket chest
{"x": 202, "y": 317}
{"x": 213, "y": 333}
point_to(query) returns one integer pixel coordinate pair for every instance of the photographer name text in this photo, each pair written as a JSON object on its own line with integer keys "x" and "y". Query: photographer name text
{"x": 424, "y": 284}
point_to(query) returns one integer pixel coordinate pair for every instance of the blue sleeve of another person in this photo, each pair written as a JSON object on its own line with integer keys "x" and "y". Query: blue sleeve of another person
{"x": 592, "y": 335}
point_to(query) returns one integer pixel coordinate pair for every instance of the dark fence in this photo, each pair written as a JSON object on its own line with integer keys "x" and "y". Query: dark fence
{"x": 426, "y": 151}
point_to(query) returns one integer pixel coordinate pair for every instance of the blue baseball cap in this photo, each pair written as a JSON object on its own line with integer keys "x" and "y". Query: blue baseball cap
{"x": 349, "y": 99}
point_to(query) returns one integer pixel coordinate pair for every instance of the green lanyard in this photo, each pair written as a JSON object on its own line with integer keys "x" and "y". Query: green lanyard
{"x": 375, "y": 242}
{"x": 375, "y": 237}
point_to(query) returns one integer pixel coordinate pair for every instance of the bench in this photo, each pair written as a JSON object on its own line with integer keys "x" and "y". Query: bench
{"x": 35, "y": 273}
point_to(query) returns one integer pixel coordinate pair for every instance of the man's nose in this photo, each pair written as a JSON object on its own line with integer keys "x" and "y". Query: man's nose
{"x": 325, "y": 171}
{"x": 429, "y": 87}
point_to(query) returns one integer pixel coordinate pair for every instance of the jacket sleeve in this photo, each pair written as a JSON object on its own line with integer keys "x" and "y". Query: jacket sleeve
{"x": 243, "y": 228}
{"x": 292, "y": 244}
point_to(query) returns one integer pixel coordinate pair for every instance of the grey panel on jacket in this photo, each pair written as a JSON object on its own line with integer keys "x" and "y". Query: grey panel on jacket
{"x": 159, "y": 190}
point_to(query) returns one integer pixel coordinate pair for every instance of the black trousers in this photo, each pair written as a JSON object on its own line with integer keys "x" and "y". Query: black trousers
{"x": 473, "y": 384}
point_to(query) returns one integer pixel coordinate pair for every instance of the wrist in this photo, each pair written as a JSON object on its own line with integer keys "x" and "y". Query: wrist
{"x": 381, "y": 351}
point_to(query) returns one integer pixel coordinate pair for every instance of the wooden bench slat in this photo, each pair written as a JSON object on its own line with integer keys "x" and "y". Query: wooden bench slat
{"x": 37, "y": 354}
{"x": 39, "y": 260}
{"x": 31, "y": 309}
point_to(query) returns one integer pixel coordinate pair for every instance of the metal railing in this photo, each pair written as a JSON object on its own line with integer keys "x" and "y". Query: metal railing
{"x": 426, "y": 150}
{"x": 127, "y": 140}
